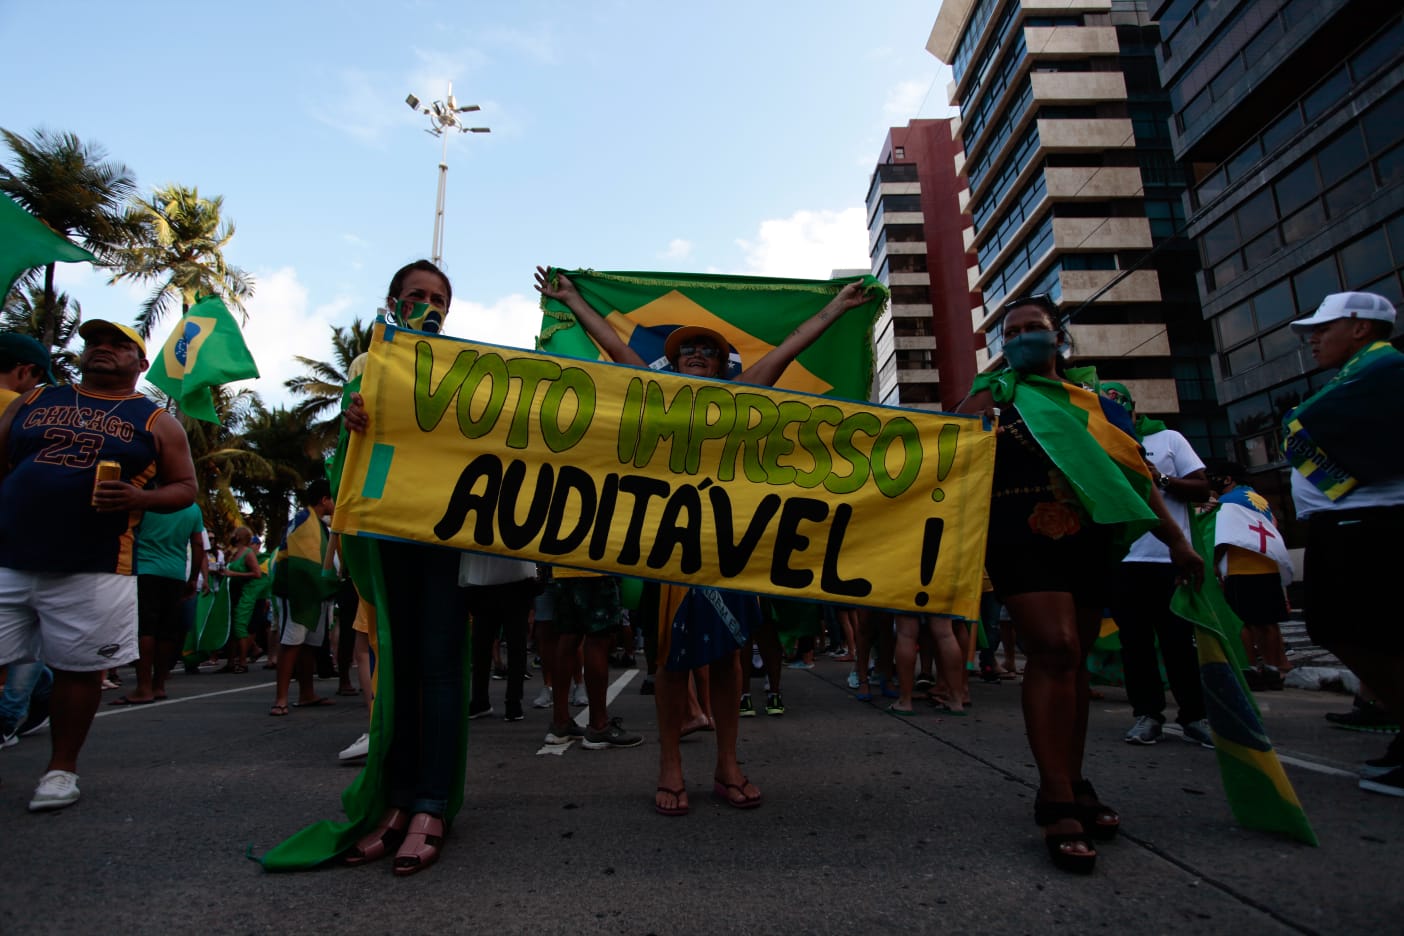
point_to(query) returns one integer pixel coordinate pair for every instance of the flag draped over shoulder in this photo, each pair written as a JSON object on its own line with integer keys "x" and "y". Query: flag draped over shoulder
{"x": 368, "y": 796}
{"x": 1244, "y": 520}
{"x": 27, "y": 242}
{"x": 297, "y": 569}
{"x": 205, "y": 350}
{"x": 1088, "y": 437}
{"x": 1324, "y": 437}
{"x": 1257, "y": 787}
{"x": 754, "y": 314}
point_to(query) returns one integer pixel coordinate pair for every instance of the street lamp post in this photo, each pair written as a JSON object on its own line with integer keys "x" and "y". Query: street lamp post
{"x": 443, "y": 120}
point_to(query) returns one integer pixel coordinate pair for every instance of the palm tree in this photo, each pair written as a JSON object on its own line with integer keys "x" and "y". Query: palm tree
{"x": 279, "y": 438}
{"x": 223, "y": 459}
{"x": 179, "y": 242}
{"x": 74, "y": 189}
{"x": 24, "y": 312}
{"x": 322, "y": 383}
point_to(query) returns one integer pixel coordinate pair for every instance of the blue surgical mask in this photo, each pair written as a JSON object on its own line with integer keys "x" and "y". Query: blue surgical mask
{"x": 421, "y": 316}
{"x": 1031, "y": 350}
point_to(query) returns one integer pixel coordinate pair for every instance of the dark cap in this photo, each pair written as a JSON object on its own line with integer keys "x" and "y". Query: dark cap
{"x": 28, "y": 351}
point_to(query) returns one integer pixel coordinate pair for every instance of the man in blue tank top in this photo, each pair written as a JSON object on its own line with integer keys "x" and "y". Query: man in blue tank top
{"x": 67, "y": 588}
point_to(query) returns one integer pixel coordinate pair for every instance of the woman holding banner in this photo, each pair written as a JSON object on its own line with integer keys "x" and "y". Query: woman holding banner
{"x": 1071, "y": 491}
{"x": 412, "y": 784}
{"x": 701, "y": 626}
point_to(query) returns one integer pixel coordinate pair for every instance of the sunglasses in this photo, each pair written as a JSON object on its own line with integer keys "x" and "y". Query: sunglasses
{"x": 706, "y": 350}
{"x": 1038, "y": 299}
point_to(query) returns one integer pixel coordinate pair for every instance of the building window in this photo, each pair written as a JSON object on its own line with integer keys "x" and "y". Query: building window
{"x": 899, "y": 152}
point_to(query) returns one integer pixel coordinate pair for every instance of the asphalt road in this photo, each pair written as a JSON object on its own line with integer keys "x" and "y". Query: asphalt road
{"x": 871, "y": 824}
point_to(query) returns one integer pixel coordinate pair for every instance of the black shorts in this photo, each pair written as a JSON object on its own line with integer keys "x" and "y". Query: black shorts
{"x": 1080, "y": 565}
{"x": 158, "y": 607}
{"x": 1256, "y": 599}
{"x": 1351, "y": 557}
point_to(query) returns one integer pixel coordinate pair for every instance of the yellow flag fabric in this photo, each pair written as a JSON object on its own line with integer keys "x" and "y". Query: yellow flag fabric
{"x": 693, "y": 481}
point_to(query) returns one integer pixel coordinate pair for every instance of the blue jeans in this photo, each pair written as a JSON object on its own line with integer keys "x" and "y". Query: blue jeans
{"x": 428, "y": 620}
{"x": 25, "y": 680}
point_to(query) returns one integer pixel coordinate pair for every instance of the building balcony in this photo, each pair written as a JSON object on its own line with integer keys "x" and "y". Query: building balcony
{"x": 909, "y": 279}
{"x": 1098, "y": 234}
{"x": 1089, "y": 183}
{"x": 914, "y": 342}
{"x": 1074, "y": 42}
{"x": 910, "y": 311}
{"x": 1077, "y": 87}
{"x": 1136, "y": 286}
{"x": 1115, "y": 341}
{"x": 1085, "y": 136}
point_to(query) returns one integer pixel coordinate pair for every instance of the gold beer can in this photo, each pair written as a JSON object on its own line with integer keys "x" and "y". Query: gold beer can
{"x": 106, "y": 471}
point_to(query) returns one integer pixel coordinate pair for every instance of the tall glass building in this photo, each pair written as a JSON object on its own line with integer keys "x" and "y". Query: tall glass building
{"x": 1291, "y": 115}
{"x": 1074, "y": 191}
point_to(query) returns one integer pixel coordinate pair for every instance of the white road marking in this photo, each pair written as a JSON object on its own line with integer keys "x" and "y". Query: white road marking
{"x": 120, "y": 709}
{"x": 582, "y": 717}
{"x": 1311, "y": 765}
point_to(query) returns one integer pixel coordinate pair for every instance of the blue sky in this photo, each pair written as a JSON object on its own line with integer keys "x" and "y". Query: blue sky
{"x": 733, "y": 137}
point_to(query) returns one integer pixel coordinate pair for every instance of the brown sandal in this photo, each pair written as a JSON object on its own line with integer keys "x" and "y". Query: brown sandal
{"x": 421, "y": 845}
{"x": 387, "y": 835}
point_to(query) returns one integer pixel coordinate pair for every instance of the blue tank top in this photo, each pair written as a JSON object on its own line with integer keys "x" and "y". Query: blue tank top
{"x": 47, "y": 520}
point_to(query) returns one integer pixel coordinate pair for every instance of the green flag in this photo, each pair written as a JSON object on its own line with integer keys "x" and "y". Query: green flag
{"x": 1257, "y": 787}
{"x": 754, "y": 314}
{"x": 27, "y": 242}
{"x": 1089, "y": 438}
{"x": 211, "y": 630}
{"x": 206, "y": 349}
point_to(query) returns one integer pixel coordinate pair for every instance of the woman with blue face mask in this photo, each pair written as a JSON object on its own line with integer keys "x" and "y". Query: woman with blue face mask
{"x": 1070, "y": 486}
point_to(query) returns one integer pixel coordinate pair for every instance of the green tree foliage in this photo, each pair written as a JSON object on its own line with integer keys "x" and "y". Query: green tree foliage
{"x": 74, "y": 189}
{"x": 178, "y": 243}
{"x": 321, "y": 386}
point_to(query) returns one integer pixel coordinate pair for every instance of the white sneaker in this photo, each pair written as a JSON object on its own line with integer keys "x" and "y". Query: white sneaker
{"x": 543, "y": 698}
{"x": 358, "y": 749}
{"x": 56, "y": 789}
{"x": 578, "y": 697}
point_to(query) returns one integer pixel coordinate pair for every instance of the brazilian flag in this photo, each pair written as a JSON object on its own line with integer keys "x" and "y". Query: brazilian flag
{"x": 297, "y": 569}
{"x": 1089, "y": 438}
{"x": 1257, "y": 788}
{"x": 754, "y": 314}
{"x": 205, "y": 350}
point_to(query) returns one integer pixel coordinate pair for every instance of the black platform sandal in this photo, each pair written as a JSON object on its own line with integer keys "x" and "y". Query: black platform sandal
{"x": 1100, "y": 820}
{"x": 1046, "y": 814}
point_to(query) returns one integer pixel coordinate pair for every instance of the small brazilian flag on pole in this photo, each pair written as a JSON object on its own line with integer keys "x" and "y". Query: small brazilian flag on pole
{"x": 1257, "y": 787}
{"x": 753, "y": 313}
{"x": 205, "y": 350}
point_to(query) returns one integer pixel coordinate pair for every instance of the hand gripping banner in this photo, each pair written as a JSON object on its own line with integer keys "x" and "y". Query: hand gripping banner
{"x": 681, "y": 479}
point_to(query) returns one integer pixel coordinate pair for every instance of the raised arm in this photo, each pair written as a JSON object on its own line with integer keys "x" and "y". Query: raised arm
{"x": 564, "y": 291}
{"x": 769, "y": 368}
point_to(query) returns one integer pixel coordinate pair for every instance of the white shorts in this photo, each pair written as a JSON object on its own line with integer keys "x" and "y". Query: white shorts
{"x": 293, "y": 634}
{"x": 81, "y": 622}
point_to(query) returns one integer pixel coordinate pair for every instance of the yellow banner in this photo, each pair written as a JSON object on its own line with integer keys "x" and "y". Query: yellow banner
{"x": 656, "y": 475}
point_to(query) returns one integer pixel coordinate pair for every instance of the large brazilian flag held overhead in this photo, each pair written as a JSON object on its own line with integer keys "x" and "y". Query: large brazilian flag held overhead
{"x": 755, "y": 314}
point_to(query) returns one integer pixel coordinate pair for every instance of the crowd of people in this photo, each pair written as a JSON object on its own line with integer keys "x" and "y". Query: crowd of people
{"x": 1090, "y": 516}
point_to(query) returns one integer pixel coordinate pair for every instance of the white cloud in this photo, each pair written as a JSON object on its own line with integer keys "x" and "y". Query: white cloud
{"x": 809, "y": 244}
{"x": 905, "y": 100}
{"x": 513, "y": 321}
{"x": 678, "y": 249}
{"x": 281, "y": 325}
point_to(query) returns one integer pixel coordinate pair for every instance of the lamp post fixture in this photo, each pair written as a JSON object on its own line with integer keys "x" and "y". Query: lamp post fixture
{"x": 443, "y": 120}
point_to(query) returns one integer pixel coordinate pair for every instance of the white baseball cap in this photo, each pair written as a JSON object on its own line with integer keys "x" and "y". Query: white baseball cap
{"x": 1348, "y": 305}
